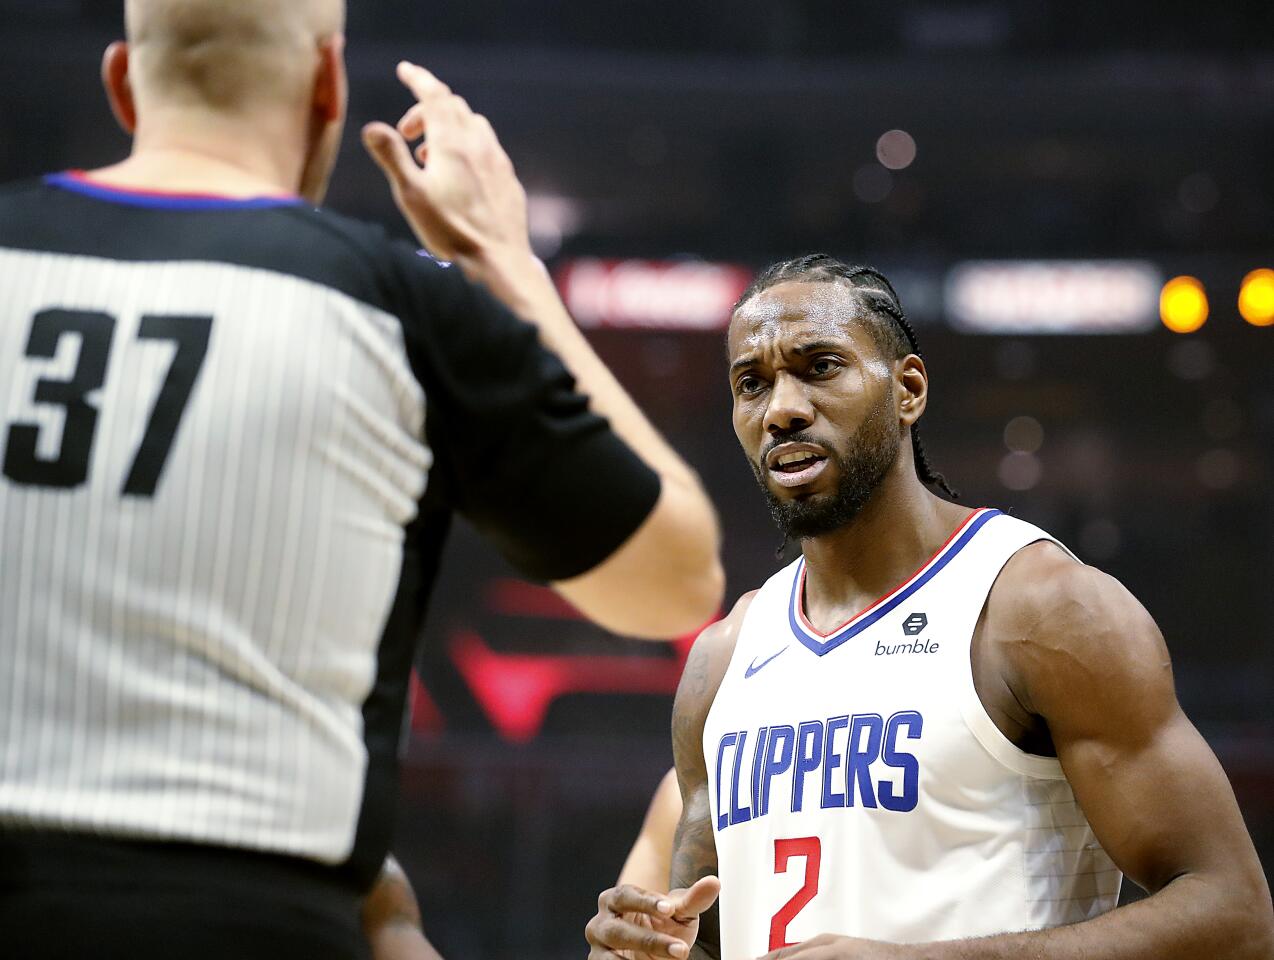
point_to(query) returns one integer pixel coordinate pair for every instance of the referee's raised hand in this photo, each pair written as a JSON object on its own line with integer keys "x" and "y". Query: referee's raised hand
{"x": 463, "y": 200}
{"x": 459, "y": 191}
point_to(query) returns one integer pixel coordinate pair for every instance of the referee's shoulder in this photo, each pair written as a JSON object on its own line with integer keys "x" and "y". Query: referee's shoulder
{"x": 25, "y": 190}
{"x": 400, "y": 272}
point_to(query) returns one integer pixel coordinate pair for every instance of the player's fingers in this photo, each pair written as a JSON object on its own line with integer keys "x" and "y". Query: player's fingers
{"x": 784, "y": 954}
{"x": 627, "y": 898}
{"x": 601, "y": 952}
{"x": 391, "y": 153}
{"x": 615, "y": 933}
{"x": 699, "y": 897}
{"x": 816, "y": 948}
{"x": 423, "y": 84}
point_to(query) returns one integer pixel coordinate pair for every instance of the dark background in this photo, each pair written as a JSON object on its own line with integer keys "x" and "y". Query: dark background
{"x": 745, "y": 133}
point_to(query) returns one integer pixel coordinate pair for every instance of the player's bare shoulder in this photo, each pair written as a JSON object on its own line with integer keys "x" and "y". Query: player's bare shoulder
{"x": 705, "y": 667}
{"x": 1059, "y": 627}
{"x": 709, "y": 657}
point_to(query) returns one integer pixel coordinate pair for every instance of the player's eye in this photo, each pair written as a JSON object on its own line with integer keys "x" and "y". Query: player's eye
{"x": 822, "y": 366}
{"x": 748, "y": 384}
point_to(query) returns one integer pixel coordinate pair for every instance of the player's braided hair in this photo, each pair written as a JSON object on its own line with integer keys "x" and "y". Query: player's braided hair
{"x": 890, "y": 329}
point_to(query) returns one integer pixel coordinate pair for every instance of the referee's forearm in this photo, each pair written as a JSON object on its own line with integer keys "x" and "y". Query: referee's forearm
{"x": 523, "y": 284}
{"x": 670, "y": 568}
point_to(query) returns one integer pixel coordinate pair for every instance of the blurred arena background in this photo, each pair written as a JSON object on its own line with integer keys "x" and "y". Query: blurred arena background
{"x": 1076, "y": 202}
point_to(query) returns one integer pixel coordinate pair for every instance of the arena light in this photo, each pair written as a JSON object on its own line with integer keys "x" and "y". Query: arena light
{"x": 1183, "y": 304}
{"x": 551, "y": 219}
{"x": 651, "y": 294}
{"x": 896, "y": 149}
{"x": 1052, "y": 296}
{"x": 1256, "y": 298}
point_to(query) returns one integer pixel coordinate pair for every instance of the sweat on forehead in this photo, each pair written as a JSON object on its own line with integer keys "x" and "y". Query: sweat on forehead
{"x": 812, "y": 306}
{"x": 832, "y": 301}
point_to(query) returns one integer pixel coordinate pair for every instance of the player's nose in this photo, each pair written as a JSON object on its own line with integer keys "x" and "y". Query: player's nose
{"x": 789, "y": 408}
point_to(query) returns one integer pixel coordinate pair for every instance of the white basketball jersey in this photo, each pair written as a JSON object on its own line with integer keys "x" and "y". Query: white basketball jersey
{"x": 859, "y": 787}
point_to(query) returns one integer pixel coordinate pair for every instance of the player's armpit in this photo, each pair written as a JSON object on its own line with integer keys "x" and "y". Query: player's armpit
{"x": 1087, "y": 658}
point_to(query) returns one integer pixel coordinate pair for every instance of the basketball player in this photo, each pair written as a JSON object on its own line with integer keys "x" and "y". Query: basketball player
{"x": 233, "y": 429}
{"x": 936, "y": 734}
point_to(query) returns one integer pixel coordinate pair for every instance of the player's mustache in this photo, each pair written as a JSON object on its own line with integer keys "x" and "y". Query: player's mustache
{"x": 798, "y": 436}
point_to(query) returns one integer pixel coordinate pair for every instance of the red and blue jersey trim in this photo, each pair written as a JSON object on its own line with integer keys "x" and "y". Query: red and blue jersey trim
{"x": 77, "y": 182}
{"x": 821, "y": 643}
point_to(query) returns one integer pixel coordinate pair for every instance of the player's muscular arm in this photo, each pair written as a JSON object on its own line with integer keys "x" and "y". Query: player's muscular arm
{"x": 694, "y": 850}
{"x": 635, "y": 923}
{"x": 1085, "y": 656}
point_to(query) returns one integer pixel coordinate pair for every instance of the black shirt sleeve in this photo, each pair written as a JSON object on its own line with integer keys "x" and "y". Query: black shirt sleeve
{"x": 521, "y": 454}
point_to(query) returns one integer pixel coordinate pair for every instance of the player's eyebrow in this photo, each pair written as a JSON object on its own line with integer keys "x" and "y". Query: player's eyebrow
{"x": 815, "y": 346}
{"x": 804, "y": 350}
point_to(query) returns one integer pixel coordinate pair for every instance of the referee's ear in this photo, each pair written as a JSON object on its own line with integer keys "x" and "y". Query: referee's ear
{"x": 119, "y": 90}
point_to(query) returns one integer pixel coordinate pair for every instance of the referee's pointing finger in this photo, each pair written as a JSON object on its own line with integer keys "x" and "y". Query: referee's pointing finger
{"x": 421, "y": 82}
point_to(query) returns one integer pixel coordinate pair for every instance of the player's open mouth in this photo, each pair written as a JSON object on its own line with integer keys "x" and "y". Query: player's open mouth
{"x": 795, "y": 464}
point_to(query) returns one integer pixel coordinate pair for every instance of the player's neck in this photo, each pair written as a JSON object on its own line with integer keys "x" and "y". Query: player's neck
{"x": 207, "y": 154}
{"x": 899, "y": 528}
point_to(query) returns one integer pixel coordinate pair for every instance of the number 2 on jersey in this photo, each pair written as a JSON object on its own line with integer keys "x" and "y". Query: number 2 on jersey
{"x": 784, "y": 850}
{"x": 69, "y": 467}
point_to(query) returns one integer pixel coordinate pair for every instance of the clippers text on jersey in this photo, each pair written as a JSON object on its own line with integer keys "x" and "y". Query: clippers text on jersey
{"x": 850, "y": 760}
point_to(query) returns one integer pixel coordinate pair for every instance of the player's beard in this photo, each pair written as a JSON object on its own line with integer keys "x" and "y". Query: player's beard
{"x": 861, "y": 467}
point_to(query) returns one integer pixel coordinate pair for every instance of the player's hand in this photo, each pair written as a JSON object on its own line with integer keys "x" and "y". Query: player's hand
{"x": 636, "y": 924}
{"x": 829, "y": 947}
{"x": 459, "y": 192}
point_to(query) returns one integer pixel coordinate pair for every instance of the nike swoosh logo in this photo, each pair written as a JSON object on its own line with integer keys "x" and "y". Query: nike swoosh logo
{"x": 755, "y": 667}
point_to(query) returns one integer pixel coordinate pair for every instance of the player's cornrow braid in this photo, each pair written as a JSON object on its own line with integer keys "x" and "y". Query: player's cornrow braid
{"x": 890, "y": 304}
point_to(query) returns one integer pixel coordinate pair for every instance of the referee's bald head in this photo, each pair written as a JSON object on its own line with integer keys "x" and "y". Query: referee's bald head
{"x": 261, "y": 83}
{"x": 228, "y": 55}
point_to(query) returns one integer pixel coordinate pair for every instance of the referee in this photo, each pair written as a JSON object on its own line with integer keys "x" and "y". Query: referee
{"x": 233, "y": 430}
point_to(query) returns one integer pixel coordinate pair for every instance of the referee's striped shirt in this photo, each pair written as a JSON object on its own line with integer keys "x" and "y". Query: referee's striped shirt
{"x": 232, "y": 434}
